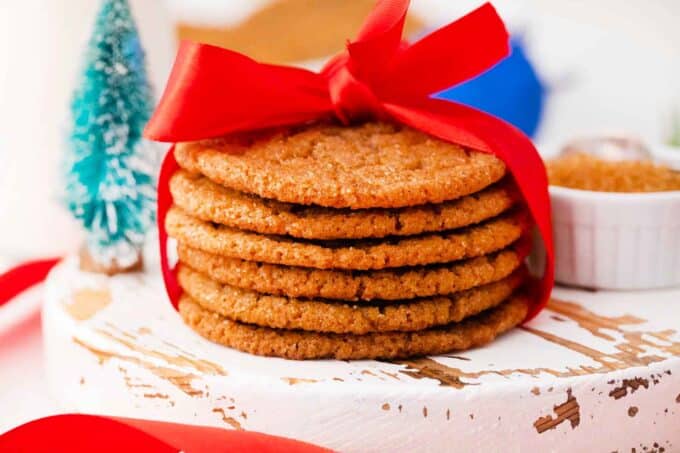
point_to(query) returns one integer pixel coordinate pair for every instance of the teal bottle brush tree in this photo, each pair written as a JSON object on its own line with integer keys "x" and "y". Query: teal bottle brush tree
{"x": 110, "y": 183}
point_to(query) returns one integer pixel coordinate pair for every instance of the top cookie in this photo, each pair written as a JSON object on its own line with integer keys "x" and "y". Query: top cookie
{"x": 373, "y": 165}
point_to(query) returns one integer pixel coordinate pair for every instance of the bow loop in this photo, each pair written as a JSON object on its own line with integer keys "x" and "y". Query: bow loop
{"x": 207, "y": 82}
{"x": 378, "y": 42}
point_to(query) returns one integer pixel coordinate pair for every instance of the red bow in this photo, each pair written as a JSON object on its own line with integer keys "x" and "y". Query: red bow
{"x": 214, "y": 91}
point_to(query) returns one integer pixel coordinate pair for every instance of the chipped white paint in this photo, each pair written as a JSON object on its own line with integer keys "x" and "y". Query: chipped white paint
{"x": 570, "y": 381}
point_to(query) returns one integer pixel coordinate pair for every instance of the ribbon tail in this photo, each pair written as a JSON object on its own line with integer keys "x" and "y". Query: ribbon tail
{"x": 460, "y": 124}
{"x": 164, "y": 203}
{"x": 22, "y": 277}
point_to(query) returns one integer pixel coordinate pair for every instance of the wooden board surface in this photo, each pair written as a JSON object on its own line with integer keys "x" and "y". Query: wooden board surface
{"x": 597, "y": 370}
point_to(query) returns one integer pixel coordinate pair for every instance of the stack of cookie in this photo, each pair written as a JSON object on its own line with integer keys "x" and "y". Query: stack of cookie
{"x": 325, "y": 241}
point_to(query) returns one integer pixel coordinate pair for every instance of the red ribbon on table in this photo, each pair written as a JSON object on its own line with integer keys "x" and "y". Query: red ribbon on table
{"x": 213, "y": 91}
{"x": 20, "y": 278}
{"x": 75, "y": 433}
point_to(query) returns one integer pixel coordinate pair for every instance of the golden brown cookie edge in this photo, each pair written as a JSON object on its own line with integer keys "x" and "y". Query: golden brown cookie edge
{"x": 299, "y": 345}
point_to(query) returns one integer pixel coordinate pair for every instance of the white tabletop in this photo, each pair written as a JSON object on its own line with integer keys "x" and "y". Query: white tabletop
{"x": 596, "y": 371}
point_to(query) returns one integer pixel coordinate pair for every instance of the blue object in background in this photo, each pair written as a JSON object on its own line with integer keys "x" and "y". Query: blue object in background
{"x": 510, "y": 90}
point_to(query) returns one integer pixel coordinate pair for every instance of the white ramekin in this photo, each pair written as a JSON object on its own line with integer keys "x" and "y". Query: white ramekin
{"x": 667, "y": 155}
{"x": 619, "y": 241}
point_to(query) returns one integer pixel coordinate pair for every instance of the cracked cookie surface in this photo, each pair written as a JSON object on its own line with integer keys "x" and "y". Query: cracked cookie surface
{"x": 389, "y": 284}
{"x": 372, "y": 165}
{"x": 365, "y": 254}
{"x": 201, "y": 198}
{"x": 320, "y": 315}
{"x": 299, "y": 345}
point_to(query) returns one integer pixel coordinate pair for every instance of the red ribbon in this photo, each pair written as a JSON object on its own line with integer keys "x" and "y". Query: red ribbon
{"x": 213, "y": 91}
{"x": 22, "y": 277}
{"x": 75, "y": 433}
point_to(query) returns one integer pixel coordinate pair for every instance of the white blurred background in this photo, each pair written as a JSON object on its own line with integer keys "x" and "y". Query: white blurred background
{"x": 611, "y": 65}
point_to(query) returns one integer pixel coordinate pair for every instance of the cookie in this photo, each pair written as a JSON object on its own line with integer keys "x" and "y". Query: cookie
{"x": 363, "y": 254}
{"x": 296, "y": 344}
{"x": 199, "y": 197}
{"x": 353, "y": 285}
{"x": 373, "y": 165}
{"x": 322, "y": 316}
